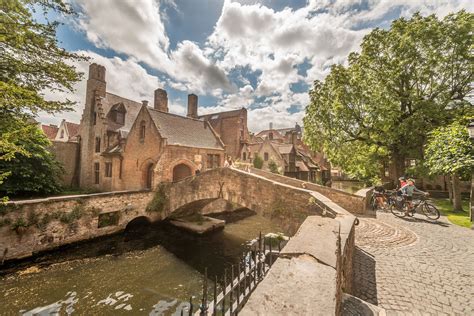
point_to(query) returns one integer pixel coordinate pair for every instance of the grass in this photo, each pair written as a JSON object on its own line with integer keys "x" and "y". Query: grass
{"x": 457, "y": 218}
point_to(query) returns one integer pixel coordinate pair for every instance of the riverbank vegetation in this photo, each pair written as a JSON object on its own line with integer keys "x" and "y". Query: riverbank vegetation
{"x": 32, "y": 63}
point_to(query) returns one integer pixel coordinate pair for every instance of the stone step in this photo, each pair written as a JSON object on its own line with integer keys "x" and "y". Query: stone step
{"x": 352, "y": 305}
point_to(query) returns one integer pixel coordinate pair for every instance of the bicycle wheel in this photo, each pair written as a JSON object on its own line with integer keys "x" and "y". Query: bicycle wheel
{"x": 373, "y": 203}
{"x": 430, "y": 211}
{"x": 398, "y": 212}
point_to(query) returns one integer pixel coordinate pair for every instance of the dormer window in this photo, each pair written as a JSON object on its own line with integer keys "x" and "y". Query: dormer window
{"x": 120, "y": 117}
{"x": 117, "y": 113}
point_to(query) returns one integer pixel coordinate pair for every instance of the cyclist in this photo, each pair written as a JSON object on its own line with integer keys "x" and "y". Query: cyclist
{"x": 401, "y": 183}
{"x": 407, "y": 192}
{"x": 379, "y": 193}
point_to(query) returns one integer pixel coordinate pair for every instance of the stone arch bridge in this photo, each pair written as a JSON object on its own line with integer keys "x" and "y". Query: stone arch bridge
{"x": 31, "y": 226}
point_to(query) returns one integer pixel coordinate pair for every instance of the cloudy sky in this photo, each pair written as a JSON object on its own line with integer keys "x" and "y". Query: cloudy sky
{"x": 261, "y": 55}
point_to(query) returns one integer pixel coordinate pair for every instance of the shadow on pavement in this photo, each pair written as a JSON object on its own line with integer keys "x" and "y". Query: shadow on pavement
{"x": 364, "y": 279}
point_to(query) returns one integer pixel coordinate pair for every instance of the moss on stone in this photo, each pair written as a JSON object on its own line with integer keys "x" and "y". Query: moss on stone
{"x": 159, "y": 201}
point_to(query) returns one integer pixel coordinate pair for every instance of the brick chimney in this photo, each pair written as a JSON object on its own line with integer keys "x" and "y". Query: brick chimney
{"x": 161, "y": 100}
{"x": 192, "y": 106}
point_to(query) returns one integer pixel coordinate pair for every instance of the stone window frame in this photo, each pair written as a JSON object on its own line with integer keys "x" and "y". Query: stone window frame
{"x": 108, "y": 169}
{"x": 97, "y": 144}
{"x": 142, "y": 131}
{"x": 265, "y": 156}
{"x": 96, "y": 172}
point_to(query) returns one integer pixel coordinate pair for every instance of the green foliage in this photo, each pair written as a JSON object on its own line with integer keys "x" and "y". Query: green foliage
{"x": 19, "y": 224}
{"x": 37, "y": 172}
{"x": 405, "y": 82}
{"x": 159, "y": 201}
{"x": 273, "y": 166}
{"x": 460, "y": 218}
{"x": 449, "y": 150}
{"x": 31, "y": 62}
{"x": 257, "y": 162}
{"x": 32, "y": 218}
{"x": 74, "y": 215}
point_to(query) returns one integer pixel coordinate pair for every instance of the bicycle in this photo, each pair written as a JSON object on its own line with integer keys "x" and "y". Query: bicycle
{"x": 401, "y": 207}
{"x": 388, "y": 196}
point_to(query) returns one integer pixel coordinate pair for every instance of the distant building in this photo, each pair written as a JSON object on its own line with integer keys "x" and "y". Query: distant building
{"x": 231, "y": 126}
{"x": 49, "y": 130}
{"x": 292, "y": 156}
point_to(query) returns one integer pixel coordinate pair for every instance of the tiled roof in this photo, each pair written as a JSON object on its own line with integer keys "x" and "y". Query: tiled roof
{"x": 131, "y": 107}
{"x": 285, "y": 148}
{"x": 221, "y": 115}
{"x": 72, "y": 129}
{"x": 50, "y": 131}
{"x": 184, "y": 131}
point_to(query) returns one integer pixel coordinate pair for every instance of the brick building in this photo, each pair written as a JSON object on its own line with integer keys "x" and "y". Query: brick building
{"x": 128, "y": 145}
{"x": 232, "y": 129}
{"x": 292, "y": 156}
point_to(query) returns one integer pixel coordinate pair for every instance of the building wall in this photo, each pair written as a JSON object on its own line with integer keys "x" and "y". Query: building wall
{"x": 194, "y": 158}
{"x": 138, "y": 154}
{"x": 67, "y": 153}
{"x": 95, "y": 89}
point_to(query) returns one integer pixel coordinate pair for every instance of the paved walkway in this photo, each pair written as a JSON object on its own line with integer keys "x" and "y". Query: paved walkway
{"x": 415, "y": 266}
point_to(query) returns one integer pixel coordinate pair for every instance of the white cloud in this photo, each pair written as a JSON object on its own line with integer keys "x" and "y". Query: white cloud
{"x": 126, "y": 78}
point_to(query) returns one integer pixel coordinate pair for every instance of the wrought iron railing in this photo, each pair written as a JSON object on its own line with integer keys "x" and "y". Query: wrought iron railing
{"x": 244, "y": 278}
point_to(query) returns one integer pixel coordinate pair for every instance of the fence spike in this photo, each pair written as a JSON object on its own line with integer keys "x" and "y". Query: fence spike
{"x": 190, "y": 305}
{"x": 245, "y": 274}
{"x": 223, "y": 293}
{"x": 271, "y": 254}
{"x": 204, "y": 294}
{"x": 215, "y": 296}
{"x": 231, "y": 301}
{"x": 238, "y": 283}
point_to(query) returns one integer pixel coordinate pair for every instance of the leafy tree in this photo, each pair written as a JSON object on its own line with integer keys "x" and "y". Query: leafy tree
{"x": 30, "y": 63}
{"x": 406, "y": 81}
{"x": 38, "y": 172}
{"x": 272, "y": 166}
{"x": 449, "y": 151}
{"x": 258, "y": 162}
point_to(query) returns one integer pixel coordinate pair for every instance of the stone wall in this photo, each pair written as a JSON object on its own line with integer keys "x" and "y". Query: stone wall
{"x": 312, "y": 272}
{"x": 67, "y": 153}
{"x": 355, "y": 204}
{"x": 27, "y": 227}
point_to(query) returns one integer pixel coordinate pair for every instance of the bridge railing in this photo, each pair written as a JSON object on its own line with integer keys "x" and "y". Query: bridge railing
{"x": 244, "y": 278}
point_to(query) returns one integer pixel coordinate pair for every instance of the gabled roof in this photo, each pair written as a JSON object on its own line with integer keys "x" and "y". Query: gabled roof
{"x": 185, "y": 131}
{"x": 221, "y": 115}
{"x": 50, "y": 131}
{"x": 284, "y": 148}
{"x": 131, "y": 107}
{"x": 72, "y": 129}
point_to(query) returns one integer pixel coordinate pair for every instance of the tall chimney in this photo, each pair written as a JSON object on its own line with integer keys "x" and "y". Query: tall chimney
{"x": 271, "y": 125}
{"x": 192, "y": 106}
{"x": 145, "y": 103}
{"x": 161, "y": 100}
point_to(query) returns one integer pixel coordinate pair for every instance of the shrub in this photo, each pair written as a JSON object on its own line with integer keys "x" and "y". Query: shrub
{"x": 273, "y": 166}
{"x": 258, "y": 162}
{"x": 158, "y": 203}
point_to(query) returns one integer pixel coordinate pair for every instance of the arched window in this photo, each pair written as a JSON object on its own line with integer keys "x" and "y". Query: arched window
{"x": 62, "y": 134}
{"x": 244, "y": 156}
{"x": 142, "y": 130}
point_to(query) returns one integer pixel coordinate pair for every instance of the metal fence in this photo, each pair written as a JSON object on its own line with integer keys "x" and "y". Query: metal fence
{"x": 244, "y": 277}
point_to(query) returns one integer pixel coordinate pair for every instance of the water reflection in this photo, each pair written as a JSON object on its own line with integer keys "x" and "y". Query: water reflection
{"x": 150, "y": 269}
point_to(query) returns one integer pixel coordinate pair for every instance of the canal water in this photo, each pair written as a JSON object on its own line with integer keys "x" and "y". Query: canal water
{"x": 151, "y": 269}
{"x": 348, "y": 186}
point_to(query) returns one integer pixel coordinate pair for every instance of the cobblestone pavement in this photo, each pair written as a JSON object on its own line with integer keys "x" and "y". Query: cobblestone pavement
{"x": 414, "y": 266}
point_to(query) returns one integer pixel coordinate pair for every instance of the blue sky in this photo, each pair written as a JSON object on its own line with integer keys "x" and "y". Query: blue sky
{"x": 262, "y": 55}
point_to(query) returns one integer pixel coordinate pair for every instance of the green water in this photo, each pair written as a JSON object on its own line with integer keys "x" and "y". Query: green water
{"x": 150, "y": 271}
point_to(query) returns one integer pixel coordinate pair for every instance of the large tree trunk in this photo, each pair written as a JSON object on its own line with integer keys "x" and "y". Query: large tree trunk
{"x": 398, "y": 162}
{"x": 457, "y": 203}
{"x": 449, "y": 185}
